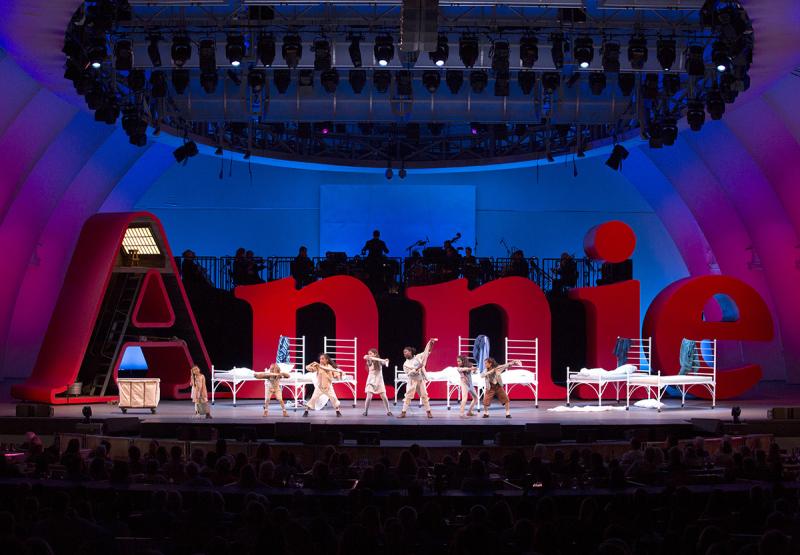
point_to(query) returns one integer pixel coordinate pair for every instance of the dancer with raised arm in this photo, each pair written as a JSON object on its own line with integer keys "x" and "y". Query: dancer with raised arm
{"x": 494, "y": 385}
{"x": 414, "y": 367}
{"x": 273, "y": 376}
{"x": 327, "y": 371}
{"x": 465, "y": 371}
{"x": 375, "y": 385}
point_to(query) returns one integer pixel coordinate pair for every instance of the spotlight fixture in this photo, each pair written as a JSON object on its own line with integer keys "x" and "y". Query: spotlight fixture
{"x": 694, "y": 64}
{"x": 583, "y": 51}
{"x": 439, "y": 56}
{"x": 181, "y": 50}
{"x": 528, "y": 51}
{"x": 153, "y": 52}
{"x": 355, "y": 51}
{"x": 720, "y": 56}
{"x": 292, "y": 50}
{"x": 626, "y": 82}
{"x": 526, "y": 80}
{"x": 158, "y": 84}
{"x": 235, "y": 49}
{"x": 330, "y": 80}
{"x": 502, "y": 86}
{"x": 256, "y": 79}
{"x": 265, "y": 48}
{"x": 136, "y": 80}
{"x": 180, "y": 80}
{"x": 403, "y": 78}
{"x": 97, "y": 52}
{"x": 665, "y": 52}
{"x": 389, "y": 173}
{"x": 695, "y": 115}
{"x": 650, "y": 86}
{"x": 715, "y": 105}
{"x": 618, "y": 154}
{"x": 500, "y": 56}
{"x": 611, "y": 52}
{"x": 655, "y": 135}
{"x": 208, "y": 56}
{"x": 431, "y": 80}
{"x": 478, "y": 81}
{"x": 468, "y": 50}
{"x": 383, "y": 50}
{"x": 597, "y": 83}
{"x": 219, "y": 151}
{"x": 322, "y": 54}
{"x": 669, "y": 131}
{"x": 381, "y": 79}
{"x": 305, "y": 78}
{"x": 637, "y": 51}
{"x": 551, "y": 81}
{"x": 108, "y": 112}
{"x": 209, "y": 82}
{"x": 123, "y": 55}
{"x": 671, "y": 83}
{"x": 454, "y": 79}
{"x": 185, "y": 151}
{"x": 358, "y": 79}
{"x": 402, "y": 173}
{"x": 557, "y": 49}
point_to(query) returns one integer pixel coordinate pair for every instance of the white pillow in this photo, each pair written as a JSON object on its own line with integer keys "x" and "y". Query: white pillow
{"x": 286, "y": 366}
{"x": 627, "y": 368}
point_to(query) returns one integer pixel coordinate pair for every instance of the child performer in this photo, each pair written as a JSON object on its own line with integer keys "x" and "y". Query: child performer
{"x": 414, "y": 367}
{"x": 327, "y": 371}
{"x": 199, "y": 393}
{"x": 465, "y": 371}
{"x": 494, "y": 385}
{"x": 375, "y": 385}
{"x": 273, "y": 387}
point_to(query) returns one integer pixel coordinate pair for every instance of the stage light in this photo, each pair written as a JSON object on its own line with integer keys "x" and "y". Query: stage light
{"x": 108, "y": 112}
{"x": 358, "y": 79}
{"x": 669, "y": 131}
{"x": 468, "y": 50}
{"x": 694, "y": 64}
{"x": 454, "y": 79}
{"x": 655, "y": 139}
{"x": 502, "y": 86}
{"x": 626, "y": 82}
{"x": 478, "y": 81}
{"x": 389, "y": 173}
{"x": 207, "y": 53}
{"x": 671, "y": 83}
{"x": 181, "y": 50}
{"x": 695, "y": 115}
{"x": 153, "y": 52}
{"x": 611, "y": 53}
{"x": 715, "y": 105}
{"x": 551, "y": 81}
{"x": 355, "y": 51}
{"x": 97, "y": 52}
{"x": 500, "y": 56}
{"x": 292, "y": 50}
{"x": 618, "y": 154}
{"x": 330, "y": 80}
{"x": 322, "y": 54}
{"x": 256, "y": 79}
{"x": 235, "y": 49}
{"x": 431, "y": 80}
{"x": 246, "y": 155}
{"x": 86, "y": 412}
{"x": 475, "y": 128}
{"x": 720, "y": 56}
{"x": 209, "y": 82}
{"x": 650, "y": 87}
{"x": 305, "y": 78}
{"x": 180, "y": 80}
{"x": 123, "y": 55}
{"x": 403, "y": 79}
{"x": 402, "y": 173}
{"x": 557, "y": 49}
{"x": 583, "y": 51}
{"x": 219, "y": 151}
{"x": 597, "y": 83}
{"x": 665, "y": 52}
{"x": 136, "y": 80}
{"x": 528, "y": 51}
{"x": 324, "y": 127}
{"x": 185, "y": 151}
{"x": 265, "y": 48}
{"x": 381, "y": 79}
{"x": 440, "y": 55}
{"x": 526, "y": 80}
{"x": 383, "y": 50}
{"x": 637, "y": 51}
{"x": 158, "y": 84}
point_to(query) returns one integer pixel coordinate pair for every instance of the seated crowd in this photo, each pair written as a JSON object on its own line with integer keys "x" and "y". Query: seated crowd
{"x": 573, "y": 501}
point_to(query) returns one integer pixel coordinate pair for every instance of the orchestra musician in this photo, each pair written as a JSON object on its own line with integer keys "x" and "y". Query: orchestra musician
{"x": 414, "y": 367}
{"x": 518, "y": 266}
{"x": 470, "y": 268}
{"x": 327, "y": 371}
{"x": 302, "y": 268}
{"x": 375, "y": 385}
{"x": 567, "y": 274}
{"x": 273, "y": 376}
{"x": 494, "y": 385}
{"x": 375, "y": 247}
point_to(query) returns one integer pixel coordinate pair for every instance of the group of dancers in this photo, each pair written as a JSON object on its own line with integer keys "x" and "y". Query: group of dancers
{"x": 328, "y": 372}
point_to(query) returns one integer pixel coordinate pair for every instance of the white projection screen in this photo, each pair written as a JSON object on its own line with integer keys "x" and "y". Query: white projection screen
{"x": 404, "y": 215}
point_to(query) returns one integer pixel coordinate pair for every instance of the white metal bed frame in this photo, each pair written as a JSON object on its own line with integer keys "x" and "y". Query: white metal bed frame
{"x": 639, "y": 354}
{"x": 702, "y": 373}
{"x": 345, "y": 353}
{"x": 527, "y": 352}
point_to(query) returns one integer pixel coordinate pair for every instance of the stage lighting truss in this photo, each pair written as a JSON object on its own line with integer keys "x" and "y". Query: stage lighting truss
{"x": 232, "y": 80}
